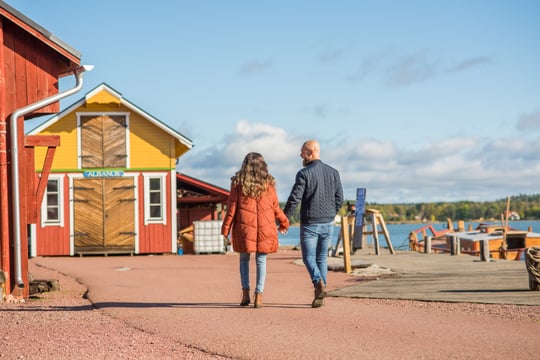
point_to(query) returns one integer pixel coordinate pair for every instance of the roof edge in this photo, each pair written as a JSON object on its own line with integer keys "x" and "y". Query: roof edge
{"x": 104, "y": 87}
{"x": 19, "y": 18}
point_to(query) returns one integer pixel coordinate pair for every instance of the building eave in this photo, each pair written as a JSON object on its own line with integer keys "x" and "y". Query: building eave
{"x": 40, "y": 33}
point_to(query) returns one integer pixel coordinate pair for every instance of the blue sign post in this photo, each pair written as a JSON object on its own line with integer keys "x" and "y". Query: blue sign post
{"x": 358, "y": 239}
{"x": 360, "y": 206}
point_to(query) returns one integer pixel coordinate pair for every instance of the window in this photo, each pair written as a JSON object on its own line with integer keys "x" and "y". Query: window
{"x": 155, "y": 198}
{"x": 52, "y": 202}
{"x": 154, "y": 185}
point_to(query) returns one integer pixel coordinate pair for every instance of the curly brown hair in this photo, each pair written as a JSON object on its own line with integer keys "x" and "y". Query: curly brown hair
{"x": 253, "y": 177}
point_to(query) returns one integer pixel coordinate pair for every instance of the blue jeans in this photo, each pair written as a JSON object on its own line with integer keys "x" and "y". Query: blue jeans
{"x": 260, "y": 260}
{"x": 315, "y": 239}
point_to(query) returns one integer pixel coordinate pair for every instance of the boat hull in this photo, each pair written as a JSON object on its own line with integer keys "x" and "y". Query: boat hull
{"x": 511, "y": 248}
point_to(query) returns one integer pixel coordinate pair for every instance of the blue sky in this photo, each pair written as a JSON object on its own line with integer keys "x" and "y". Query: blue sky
{"x": 417, "y": 101}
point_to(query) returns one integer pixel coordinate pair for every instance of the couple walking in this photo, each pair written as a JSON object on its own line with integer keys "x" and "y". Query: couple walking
{"x": 253, "y": 210}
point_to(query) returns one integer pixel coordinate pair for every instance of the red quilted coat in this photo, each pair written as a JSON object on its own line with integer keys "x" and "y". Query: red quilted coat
{"x": 253, "y": 221}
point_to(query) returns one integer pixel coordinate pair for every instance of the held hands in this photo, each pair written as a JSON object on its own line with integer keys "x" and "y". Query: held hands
{"x": 227, "y": 239}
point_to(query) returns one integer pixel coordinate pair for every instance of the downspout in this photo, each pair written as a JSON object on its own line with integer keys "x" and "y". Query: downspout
{"x": 15, "y": 163}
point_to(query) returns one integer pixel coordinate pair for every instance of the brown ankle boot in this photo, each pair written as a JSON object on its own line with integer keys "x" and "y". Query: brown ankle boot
{"x": 320, "y": 294}
{"x": 320, "y": 290}
{"x": 258, "y": 301}
{"x": 245, "y": 297}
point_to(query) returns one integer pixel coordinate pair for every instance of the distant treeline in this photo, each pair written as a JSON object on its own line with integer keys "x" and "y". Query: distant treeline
{"x": 526, "y": 206}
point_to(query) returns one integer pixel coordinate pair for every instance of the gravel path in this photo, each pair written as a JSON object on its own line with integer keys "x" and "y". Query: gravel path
{"x": 64, "y": 324}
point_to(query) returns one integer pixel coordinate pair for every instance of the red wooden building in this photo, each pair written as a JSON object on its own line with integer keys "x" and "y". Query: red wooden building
{"x": 197, "y": 201}
{"x": 31, "y": 62}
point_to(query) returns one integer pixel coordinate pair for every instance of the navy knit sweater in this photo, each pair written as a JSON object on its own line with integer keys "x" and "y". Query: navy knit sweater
{"x": 318, "y": 188}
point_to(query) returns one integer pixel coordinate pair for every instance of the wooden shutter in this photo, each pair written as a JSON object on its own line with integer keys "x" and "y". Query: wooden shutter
{"x": 91, "y": 142}
{"x": 103, "y": 142}
{"x": 114, "y": 141}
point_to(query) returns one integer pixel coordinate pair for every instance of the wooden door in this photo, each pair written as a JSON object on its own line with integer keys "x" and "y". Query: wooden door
{"x": 104, "y": 215}
{"x": 88, "y": 220}
{"x": 119, "y": 209}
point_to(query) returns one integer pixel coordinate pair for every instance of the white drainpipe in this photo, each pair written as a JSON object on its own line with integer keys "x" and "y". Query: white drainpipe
{"x": 15, "y": 162}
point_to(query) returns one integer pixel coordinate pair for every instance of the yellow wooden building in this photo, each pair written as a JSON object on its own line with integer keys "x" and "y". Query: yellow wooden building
{"x": 112, "y": 186}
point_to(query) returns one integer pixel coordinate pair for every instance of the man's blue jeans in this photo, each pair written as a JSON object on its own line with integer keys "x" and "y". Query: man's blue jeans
{"x": 260, "y": 260}
{"x": 315, "y": 239}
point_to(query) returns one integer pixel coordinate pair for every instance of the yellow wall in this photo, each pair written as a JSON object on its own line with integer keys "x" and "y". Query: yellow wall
{"x": 65, "y": 156}
{"x": 150, "y": 147}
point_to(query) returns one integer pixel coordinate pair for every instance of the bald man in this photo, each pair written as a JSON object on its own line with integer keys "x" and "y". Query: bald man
{"x": 317, "y": 188}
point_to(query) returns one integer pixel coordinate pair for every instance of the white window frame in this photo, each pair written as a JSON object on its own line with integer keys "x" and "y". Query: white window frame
{"x": 147, "y": 218}
{"x": 44, "y": 219}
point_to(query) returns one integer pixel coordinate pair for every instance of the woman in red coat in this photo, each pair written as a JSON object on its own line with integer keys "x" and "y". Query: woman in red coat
{"x": 252, "y": 211}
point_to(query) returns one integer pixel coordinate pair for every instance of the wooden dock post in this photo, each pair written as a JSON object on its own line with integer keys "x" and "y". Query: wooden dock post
{"x": 427, "y": 245}
{"x": 484, "y": 250}
{"x": 346, "y": 222}
{"x": 455, "y": 246}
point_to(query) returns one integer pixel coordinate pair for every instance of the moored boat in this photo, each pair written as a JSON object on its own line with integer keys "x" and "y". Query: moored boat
{"x": 508, "y": 244}
{"x": 502, "y": 242}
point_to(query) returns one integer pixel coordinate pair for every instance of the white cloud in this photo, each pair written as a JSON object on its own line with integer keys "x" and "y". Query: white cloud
{"x": 476, "y": 169}
{"x": 270, "y": 141}
{"x": 217, "y": 163}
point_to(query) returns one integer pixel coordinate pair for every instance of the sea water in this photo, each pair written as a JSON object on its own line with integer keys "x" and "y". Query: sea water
{"x": 399, "y": 233}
